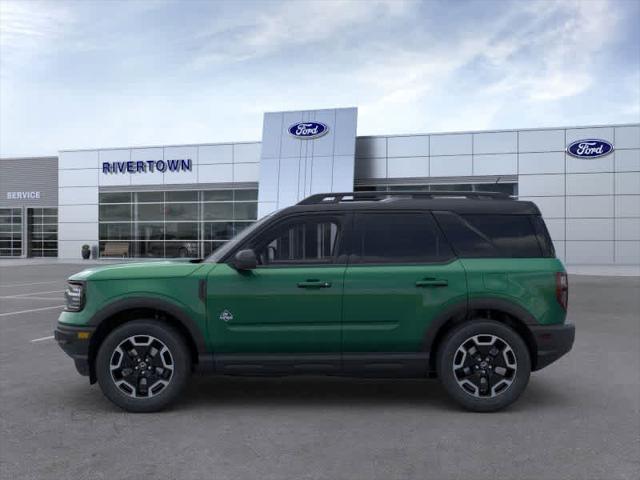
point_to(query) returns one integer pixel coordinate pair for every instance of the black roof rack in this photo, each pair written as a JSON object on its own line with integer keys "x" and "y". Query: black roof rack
{"x": 321, "y": 198}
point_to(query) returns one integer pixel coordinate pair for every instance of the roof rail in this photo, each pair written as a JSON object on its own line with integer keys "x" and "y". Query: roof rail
{"x": 321, "y": 198}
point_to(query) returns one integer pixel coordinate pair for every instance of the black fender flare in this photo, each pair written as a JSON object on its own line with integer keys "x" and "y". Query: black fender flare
{"x": 462, "y": 309}
{"x": 456, "y": 310}
{"x": 175, "y": 311}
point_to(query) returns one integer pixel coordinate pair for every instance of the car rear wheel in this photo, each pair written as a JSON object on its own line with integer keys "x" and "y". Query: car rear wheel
{"x": 484, "y": 365}
{"x": 143, "y": 365}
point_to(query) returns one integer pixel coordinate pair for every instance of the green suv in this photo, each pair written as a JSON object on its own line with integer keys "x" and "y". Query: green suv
{"x": 460, "y": 286}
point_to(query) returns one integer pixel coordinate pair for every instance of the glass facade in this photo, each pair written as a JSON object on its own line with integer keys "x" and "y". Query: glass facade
{"x": 184, "y": 223}
{"x": 10, "y": 232}
{"x": 510, "y": 188}
{"x": 42, "y": 228}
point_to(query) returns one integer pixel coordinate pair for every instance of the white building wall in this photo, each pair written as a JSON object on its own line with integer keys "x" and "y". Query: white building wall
{"x": 591, "y": 206}
{"x": 77, "y": 201}
{"x": 80, "y": 177}
{"x": 293, "y": 168}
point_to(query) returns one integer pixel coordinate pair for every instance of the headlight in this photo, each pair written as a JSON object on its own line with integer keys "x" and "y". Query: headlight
{"x": 74, "y": 295}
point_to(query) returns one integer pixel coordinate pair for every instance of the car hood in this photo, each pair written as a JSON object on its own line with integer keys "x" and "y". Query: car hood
{"x": 138, "y": 270}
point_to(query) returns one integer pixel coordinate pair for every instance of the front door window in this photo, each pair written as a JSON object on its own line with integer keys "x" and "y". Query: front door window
{"x": 300, "y": 242}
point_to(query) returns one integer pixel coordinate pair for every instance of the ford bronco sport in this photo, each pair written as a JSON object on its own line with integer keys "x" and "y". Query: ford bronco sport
{"x": 462, "y": 286}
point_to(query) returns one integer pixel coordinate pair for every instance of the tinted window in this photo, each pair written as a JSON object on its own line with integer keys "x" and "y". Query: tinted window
{"x": 508, "y": 188}
{"x": 181, "y": 211}
{"x": 451, "y": 188}
{"x": 188, "y": 196}
{"x": 124, "y": 197}
{"x": 147, "y": 212}
{"x": 300, "y": 241}
{"x": 245, "y": 211}
{"x": 218, "y": 195}
{"x": 114, "y": 213}
{"x": 473, "y": 236}
{"x": 217, "y": 211}
{"x": 241, "y": 195}
{"x": 399, "y": 238}
{"x": 150, "y": 196}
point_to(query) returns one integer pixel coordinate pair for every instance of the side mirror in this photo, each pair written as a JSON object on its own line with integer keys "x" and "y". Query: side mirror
{"x": 245, "y": 260}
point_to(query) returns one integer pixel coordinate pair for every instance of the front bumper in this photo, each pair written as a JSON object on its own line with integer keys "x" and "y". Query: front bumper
{"x": 75, "y": 343}
{"x": 553, "y": 341}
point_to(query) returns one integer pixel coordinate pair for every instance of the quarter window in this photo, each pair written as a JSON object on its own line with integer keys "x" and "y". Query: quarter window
{"x": 399, "y": 238}
{"x": 492, "y": 235}
{"x": 512, "y": 235}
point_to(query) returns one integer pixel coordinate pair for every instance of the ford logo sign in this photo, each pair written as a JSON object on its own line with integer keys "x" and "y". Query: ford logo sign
{"x": 590, "y": 148}
{"x": 308, "y": 130}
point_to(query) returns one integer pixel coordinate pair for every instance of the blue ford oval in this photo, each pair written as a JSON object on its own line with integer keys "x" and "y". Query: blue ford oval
{"x": 308, "y": 130}
{"x": 589, "y": 148}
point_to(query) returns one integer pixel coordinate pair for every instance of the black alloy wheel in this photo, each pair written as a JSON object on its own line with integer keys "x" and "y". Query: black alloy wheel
{"x": 143, "y": 365}
{"x": 484, "y": 365}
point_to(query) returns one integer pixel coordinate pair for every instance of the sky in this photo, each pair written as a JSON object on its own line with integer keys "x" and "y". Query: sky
{"x": 87, "y": 74}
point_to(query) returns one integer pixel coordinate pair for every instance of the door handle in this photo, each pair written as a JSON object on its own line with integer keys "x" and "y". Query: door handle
{"x": 432, "y": 282}
{"x": 314, "y": 284}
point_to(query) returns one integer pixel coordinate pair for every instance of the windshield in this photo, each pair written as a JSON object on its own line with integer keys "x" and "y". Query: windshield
{"x": 231, "y": 244}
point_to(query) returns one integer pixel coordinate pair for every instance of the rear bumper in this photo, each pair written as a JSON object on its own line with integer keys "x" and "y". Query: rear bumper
{"x": 553, "y": 342}
{"x": 75, "y": 343}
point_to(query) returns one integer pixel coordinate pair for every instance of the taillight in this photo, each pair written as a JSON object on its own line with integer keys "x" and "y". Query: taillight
{"x": 562, "y": 289}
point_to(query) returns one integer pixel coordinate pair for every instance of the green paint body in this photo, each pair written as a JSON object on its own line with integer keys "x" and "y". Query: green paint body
{"x": 372, "y": 308}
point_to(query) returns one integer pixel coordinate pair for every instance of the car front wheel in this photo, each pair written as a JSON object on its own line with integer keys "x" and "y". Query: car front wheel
{"x": 484, "y": 365}
{"x": 143, "y": 365}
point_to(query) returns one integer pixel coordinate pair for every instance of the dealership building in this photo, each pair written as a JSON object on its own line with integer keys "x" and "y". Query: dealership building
{"x": 186, "y": 200}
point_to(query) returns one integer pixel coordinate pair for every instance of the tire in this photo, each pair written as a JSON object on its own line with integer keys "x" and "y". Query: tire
{"x": 148, "y": 346}
{"x": 506, "y": 373}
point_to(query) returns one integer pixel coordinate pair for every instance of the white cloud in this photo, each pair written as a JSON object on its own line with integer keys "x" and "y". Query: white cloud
{"x": 408, "y": 66}
{"x": 27, "y": 27}
{"x": 288, "y": 25}
{"x": 537, "y": 52}
{"x": 563, "y": 37}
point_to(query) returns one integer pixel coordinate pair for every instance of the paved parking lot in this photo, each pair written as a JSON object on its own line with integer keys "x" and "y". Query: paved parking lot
{"x": 578, "y": 419}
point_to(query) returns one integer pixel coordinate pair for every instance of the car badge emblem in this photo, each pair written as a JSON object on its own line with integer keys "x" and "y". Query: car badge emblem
{"x": 226, "y": 316}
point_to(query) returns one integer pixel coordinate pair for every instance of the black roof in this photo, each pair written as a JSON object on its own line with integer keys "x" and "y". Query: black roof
{"x": 459, "y": 202}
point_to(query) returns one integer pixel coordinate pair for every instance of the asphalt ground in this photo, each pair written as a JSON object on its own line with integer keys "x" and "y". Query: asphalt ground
{"x": 578, "y": 419}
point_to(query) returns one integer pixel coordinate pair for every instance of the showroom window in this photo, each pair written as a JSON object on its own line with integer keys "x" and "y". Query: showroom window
{"x": 42, "y": 228}
{"x": 185, "y": 223}
{"x": 510, "y": 188}
{"x": 10, "y": 232}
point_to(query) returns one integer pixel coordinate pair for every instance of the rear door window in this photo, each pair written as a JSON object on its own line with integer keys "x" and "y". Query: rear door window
{"x": 399, "y": 237}
{"x": 492, "y": 235}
